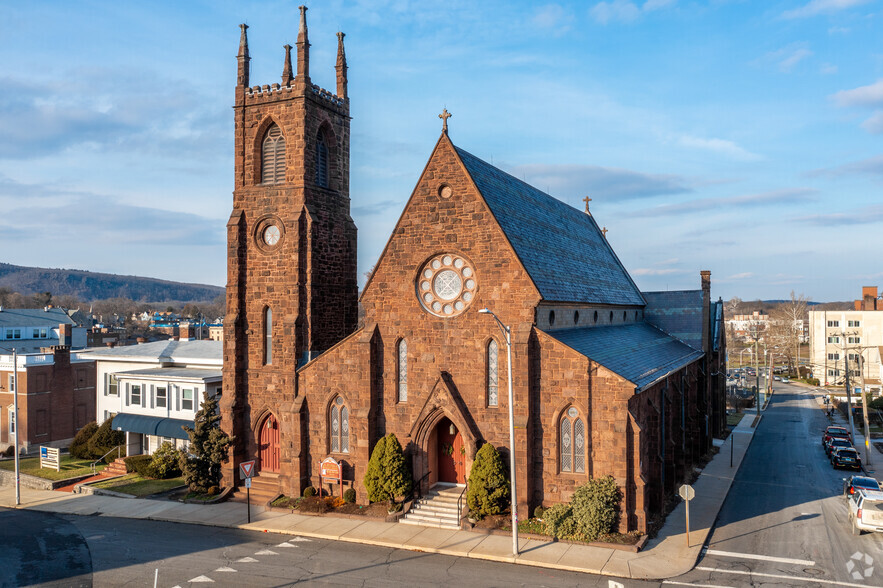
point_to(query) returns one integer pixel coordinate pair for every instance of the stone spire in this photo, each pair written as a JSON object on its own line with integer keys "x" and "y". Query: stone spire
{"x": 242, "y": 58}
{"x": 286, "y": 69}
{"x": 341, "y": 67}
{"x": 303, "y": 48}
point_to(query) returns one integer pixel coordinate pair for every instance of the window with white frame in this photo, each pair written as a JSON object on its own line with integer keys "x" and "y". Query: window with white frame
{"x": 833, "y": 339}
{"x": 854, "y": 323}
{"x": 11, "y": 382}
{"x": 853, "y": 357}
{"x": 834, "y": 372}
{"x": 40, "y": 333}
{"x": 161, "y": 397}
{"x": 268, "y": 336}
{"x": 13, "y": 333}
{"x": 853, "y": 339}
{"x": 111, "y": 385}
{"x": 833, "y": 356}
{"x": 11, "y": 410}
{"x": 833, "y": 323}
{"x": 187, "y": 399}
{"x": 135, "y": 394}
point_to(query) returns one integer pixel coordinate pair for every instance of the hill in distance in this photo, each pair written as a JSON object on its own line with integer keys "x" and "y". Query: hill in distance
{"x": 89, "y": 286}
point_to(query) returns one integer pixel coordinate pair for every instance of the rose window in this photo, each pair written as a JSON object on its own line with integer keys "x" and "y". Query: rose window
{"x": 446, "y": 285}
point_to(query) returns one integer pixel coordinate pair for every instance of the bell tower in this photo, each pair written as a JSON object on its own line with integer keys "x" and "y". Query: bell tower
{"x": 292, "y": 288}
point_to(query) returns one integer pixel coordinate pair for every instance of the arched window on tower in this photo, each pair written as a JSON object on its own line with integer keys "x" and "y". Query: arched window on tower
{"x": 340, "y": 426}
{"x": 573, "y": 442}
{"x": 268, "y": 336}
{"x": 402, "y": 370}
{"x": 321, "y": 161}
{"x": 492, "y": 398}
{"x": 273, "y": 157}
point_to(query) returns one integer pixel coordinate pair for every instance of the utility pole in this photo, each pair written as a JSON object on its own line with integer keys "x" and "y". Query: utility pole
{"x": 861, "y": 375}
{"x": 848, "y": 391}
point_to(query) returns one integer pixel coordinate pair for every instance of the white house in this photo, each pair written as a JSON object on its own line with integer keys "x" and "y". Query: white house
{"x": 153, "y": 389}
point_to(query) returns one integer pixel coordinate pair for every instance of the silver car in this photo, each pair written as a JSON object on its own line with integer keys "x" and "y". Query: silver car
{"x": 866, "y": 511}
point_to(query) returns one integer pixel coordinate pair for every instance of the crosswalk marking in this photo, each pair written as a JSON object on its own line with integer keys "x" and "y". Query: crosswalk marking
{"x": 201, "y": 579}
{"x": 787, "y": 560}
{"x": 225, "y": 569}
{"x": 266, "y": 552}
{"x": 246, "y": 560}
{"x": 286, "y": 544}
{"x": 782, "y": 577}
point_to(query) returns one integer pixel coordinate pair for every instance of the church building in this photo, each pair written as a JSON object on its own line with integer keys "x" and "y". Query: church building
{"x": 606, "y": 379}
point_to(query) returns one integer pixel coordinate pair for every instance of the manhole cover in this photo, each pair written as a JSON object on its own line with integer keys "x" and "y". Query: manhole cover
{"x": 813, "y": 572}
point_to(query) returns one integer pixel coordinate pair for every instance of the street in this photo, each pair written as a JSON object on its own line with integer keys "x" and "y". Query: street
{"x": 784, "y": 520}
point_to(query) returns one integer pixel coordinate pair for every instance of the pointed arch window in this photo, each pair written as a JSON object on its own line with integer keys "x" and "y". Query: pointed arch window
{"x": 321, "y": 161}
{"x": 573, "y": 442}
{"x": 340, "y": 426}
{"x": 273, "y": 156}
{"x": 268, "y": 336}
{"x": 492, "y": 379}
{"x": 402, "y": 370}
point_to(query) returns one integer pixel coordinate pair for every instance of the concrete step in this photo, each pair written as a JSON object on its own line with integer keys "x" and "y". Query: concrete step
{"x": 426, "y": 523}
{"x": 435, "y": 509}
{"x": 432, "y": 517}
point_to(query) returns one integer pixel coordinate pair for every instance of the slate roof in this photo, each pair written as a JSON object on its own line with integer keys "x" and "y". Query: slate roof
{"x": 638, "y": 352}
{"x": 678, "y": 313}
{"x": 562, "y": 248}
{"x": 34, "y": 317}
{"x": 177, "y": 351}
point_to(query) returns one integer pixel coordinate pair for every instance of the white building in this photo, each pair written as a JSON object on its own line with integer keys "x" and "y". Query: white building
{"x": 28, "y": 330}
{"x": 153, "y": 389}
{"x": 838, "y": 337}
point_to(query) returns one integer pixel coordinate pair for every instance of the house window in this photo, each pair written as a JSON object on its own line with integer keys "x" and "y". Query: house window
{"x": 492, "y": 399}
{"x": 273, "y": 157}
{"x": 321, "y": 161}
{"x": 833, "y": 356}
{"x": 11, "y": 383}
{"x": 40, "y": 333}
{"x": 854, "y": 323}
{"x": 187, "y": 399}
{"x": 833, "y": 323}
{"x": 11, "y": 410}
{"x": 402, "y": 363}
{"x": 161, "y": 397}
{"x": 573, "y": 442}
{"x": 268, "y": 336}
{"x": 13, "y": 333}
{"x": 833, "y": 372}
{"x": 340, "y": 426}
{"x": 854, "y": 339}
{"x": 112, "y": 385}
{"x": 135, "y": 395}
{"x": 833, "y": 339}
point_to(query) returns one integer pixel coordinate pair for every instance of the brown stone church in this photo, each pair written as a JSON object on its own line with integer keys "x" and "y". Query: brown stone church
{"x": 606, "y": 379}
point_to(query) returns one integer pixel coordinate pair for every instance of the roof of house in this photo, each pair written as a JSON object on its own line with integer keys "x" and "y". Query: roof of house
{"x": 639, "y": 352}
{"x": 562, "y": 249}
{"x": 678, "y": 313}
{"x": 34, "y": 317}
{"x": 177, "y": 351}
{"x": 173, "y": 373}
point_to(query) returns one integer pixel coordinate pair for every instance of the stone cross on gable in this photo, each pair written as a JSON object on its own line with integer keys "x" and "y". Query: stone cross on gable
{"x": 445, "y": 115}
{"x": 587, "y": 200}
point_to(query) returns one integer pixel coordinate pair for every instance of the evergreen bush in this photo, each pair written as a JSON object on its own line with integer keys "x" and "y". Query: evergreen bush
{"x": 488, "y": 491}
{"x": 559, "y": 522}
{"x": 79, "y": 447}
{"x": 538, "y": 512}
{"x": 141, "y": 465}
{"x": 208, "y": 448}
{"x": 105, "y": 439}
{"x": 349, "y": 496}
{"x": 309, "y": 492}
{"x": 595, "y": 507}
{"x": 388, "y": 474}
{"x": 165, "y": 461}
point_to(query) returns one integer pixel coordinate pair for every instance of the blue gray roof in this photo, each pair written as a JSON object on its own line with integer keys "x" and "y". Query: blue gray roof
{"x": 562, "y": 249}
{"x": 638, "y": 352}
{"x": 678, "y": 313}
{"x": 151, "y": 425}
{"x": 34, "y": 317}
{"x": 207, "y": 352}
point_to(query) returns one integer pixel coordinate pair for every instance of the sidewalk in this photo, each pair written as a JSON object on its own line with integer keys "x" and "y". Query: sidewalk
{"x": 859, "y": 442}
{"x": 665, "y": 556}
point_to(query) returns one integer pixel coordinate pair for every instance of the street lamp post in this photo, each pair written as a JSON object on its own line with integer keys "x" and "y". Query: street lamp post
{"x": 507, "y": 334}
{"x": 15, "y": 422}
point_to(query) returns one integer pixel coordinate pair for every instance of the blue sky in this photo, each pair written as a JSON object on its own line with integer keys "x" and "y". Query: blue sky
{"x": 741, "y": 137}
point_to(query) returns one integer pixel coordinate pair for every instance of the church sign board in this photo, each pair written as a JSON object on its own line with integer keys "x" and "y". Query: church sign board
{"x": 330, "y": 471}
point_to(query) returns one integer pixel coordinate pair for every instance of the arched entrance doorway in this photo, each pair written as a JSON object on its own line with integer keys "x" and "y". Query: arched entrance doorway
{"x": 268, "y": 444}
{"x": 451, "y": 453}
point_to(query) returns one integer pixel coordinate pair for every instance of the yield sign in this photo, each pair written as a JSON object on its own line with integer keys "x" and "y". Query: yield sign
{"x": 246, "y": 468}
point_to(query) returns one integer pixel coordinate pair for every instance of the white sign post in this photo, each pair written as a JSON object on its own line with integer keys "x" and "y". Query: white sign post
{"x": 50, "y": 458}
{"x": 687, "y": 493}
{"x": 246, "y": 472}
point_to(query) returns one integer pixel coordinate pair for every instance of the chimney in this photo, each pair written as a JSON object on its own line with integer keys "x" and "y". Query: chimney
{"x": 185, "y": 332}
{"x": 869, "y": 298}
{"x": 705, "y": 278}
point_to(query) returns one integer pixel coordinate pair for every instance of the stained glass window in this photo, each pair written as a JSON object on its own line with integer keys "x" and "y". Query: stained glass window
{"x": 402, "y": 361}
{"x": 573, "y": 442}
{"x": 566, "y": 445}
{"x": 492, "y": 373}
{"x": 335, "y": 429}
{"x": 268, "y": 336}
{"x": 579, "y": 441}
{"x": 344, "y": 430}
{"x": 340, "y": 426}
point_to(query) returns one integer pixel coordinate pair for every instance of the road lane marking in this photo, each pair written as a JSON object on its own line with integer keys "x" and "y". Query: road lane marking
{"x": 782, "y": 577}
{"x": 286, "y": 544}
{"x": 697, "y": 585}
{"x": 201, "y": 579}
{"x": 800, "y": 562}
{"x": 225, "y": 569}
{"x": 246, "y": 560}
{"x": 265, "y": 552}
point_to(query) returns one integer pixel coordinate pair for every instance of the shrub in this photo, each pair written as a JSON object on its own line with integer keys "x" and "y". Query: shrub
{"x": 9, "y": 451}
{"x": 488, "y": 492}
{"x": 80, "y": 445}
{"x": 877, "y": 403}
{"x": 538, "y": 512}
{"x": 595, "y": 507}
{"x": 309, "y": 492}
{"x": 349, "y": 496}
{"x": 105, "y": 439}
{"x": 208, "y": 446}
{"x": 388, "y": 474}
{"x": 213, "y": 490}
{"x": 142, "y": 465}
{"x": 559, "y": 521}
{"x": 165, "y": 461}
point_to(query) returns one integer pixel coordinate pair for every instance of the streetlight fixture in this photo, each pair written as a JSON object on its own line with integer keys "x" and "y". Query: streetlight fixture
{"x": 15, "y": 422}
{"x": 507, "y": 334}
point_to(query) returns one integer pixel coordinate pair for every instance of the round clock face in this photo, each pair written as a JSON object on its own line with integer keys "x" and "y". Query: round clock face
{"x": 271, "y": 235}
{"x": 446, "y": 285}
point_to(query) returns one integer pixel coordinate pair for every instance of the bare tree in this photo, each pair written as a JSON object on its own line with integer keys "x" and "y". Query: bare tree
{"x": 790, "y": 316}
{"x": 733, "y": 305}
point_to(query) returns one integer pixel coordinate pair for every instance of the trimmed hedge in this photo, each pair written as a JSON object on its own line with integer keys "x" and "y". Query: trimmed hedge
{"x": 387, "y": 475}
{"x": 141, "y": 465}
{"x": 79, "y": 447}
{"x": 488, "y": 492}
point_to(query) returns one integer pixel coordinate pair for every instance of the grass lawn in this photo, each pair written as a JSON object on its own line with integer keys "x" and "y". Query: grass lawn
{"x": 734, "y": 418}
{"x": 137, "y": 486}
{"x": 70, "y": 467}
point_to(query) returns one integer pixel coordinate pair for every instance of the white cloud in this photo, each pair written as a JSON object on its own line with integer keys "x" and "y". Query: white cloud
{"x": 625, "y": 10}
{"x": 874, "y": 125}
{"x": 792, "y": 59}
{"x": 742, "y": 276}
{"x": 786, "y": 58}
{"x": 816, "y": 7}
{"x": 646, "y": 271}
{"x": 871, "y": 95}
{"x": 838, "y": 30}
{"x": 554, "y": 18}
{"x": 722, "y": 146}
{"x": 827, "y": 69}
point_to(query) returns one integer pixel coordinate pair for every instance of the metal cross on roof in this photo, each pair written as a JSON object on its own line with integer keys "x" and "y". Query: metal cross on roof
{"x": 604, "y": 232}
{"x": 445, "y": 115}
{"x": 587, "y": 200}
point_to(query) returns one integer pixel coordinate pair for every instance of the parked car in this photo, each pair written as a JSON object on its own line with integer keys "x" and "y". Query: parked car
{"x": 835, "y": 431}
{"x": 854, "y": 483}
{"x": 777, "y": 378}
{"x": 846, "y": 457}
{"x": 866, "y": 511}
{"x": 786, "y": 381}
{"x": 836, "y": 443}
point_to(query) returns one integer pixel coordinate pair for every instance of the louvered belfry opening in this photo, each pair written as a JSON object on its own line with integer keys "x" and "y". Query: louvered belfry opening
{"x": 273, "y": 157}
{"x": 321, "y": 161}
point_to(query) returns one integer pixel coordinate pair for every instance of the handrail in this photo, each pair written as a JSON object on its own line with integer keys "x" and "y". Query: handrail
{"x": 460, "y": 504}
{"x": 92, "y": 465}
{"x": 416, "y": 490}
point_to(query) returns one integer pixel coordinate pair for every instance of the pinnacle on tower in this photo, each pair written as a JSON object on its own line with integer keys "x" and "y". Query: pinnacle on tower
{"x": 242, "y": 58}
{"x": 303, "y": 48}
{"x": 286, "y": 69}
{"x": 341, "y": 67}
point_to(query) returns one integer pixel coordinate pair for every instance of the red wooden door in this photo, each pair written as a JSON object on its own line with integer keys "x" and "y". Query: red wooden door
{"x": 269, "y": 445}
{"x": 451, "y": 454}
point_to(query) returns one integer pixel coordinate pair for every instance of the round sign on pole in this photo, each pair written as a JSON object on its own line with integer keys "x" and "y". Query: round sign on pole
{"x": 686, "y": 492}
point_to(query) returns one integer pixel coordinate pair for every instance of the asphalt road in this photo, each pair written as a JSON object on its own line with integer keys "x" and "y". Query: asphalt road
{"x": 784, "y": 521}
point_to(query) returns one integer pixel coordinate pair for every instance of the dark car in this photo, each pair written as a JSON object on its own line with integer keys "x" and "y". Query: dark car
{"x": 834, "y": 431}
{"x": 853, "y": 484}
{"x": 836, "y": 443}
{"x": 846, "y": 457}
